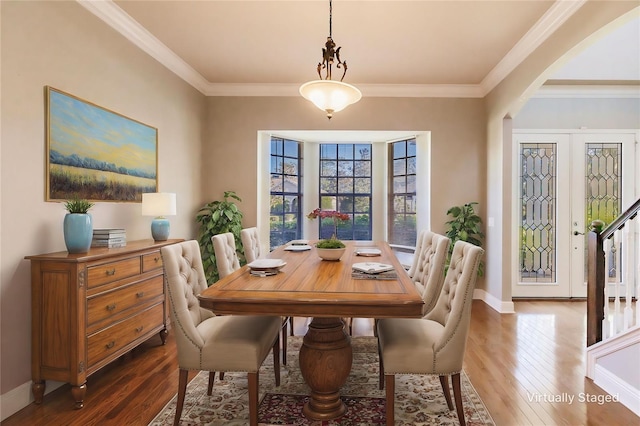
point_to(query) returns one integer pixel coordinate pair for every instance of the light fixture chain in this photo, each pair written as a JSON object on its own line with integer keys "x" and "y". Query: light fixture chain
{"x": 330, "y": 19}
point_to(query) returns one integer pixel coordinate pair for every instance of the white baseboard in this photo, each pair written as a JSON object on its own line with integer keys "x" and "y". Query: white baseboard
{"x": 18, "y": 398}
{"x": 626, "y": 394}
{"x": 495, "y": 303}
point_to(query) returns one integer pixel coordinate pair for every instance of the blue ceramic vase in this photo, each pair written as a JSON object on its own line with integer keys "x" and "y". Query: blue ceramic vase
{"x": 78, "y": 232}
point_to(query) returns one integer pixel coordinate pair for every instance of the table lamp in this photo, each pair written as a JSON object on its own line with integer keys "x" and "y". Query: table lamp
{"x": 159, "y": 204}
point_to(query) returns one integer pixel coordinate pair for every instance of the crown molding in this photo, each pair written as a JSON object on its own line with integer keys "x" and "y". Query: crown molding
{"x": 553, "y": 18}
{"x": 124, "y": 24}
{"x": 590, "y": 91}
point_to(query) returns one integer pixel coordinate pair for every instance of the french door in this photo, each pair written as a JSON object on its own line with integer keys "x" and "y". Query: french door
{"x": 562, "y": 183}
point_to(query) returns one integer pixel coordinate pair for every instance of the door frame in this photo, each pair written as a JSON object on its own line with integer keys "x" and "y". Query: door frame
{"x": 564, "y": 205}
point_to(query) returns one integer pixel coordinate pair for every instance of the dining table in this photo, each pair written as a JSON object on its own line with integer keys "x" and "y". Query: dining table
{"x": 327, "y": 291}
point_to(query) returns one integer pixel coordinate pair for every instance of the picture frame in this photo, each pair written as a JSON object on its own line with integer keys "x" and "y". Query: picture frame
{"x": 97, "y": 154}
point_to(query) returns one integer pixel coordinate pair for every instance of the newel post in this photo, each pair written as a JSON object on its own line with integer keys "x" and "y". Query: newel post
{"x": 595, "y": 283}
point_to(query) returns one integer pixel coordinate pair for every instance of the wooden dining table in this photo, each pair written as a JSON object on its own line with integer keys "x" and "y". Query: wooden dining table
{"x": 308, "y": 286}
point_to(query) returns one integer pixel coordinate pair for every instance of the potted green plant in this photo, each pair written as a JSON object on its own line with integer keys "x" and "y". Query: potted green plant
{"x": 78, "y": 225}
{"x": 465, "y": 225}
{"x": 330, "y": 248}
{"x": 218, "y": 217}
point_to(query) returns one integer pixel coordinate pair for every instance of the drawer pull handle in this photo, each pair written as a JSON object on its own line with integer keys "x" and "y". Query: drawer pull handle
{"x": 111, "y": 272}
{"x": 156, "y": 259}
{"x": 111, "y": 344}
{"x": 139, "y": 329}
{"x": 111, "y": 307}
{"x": 140, "y": 294}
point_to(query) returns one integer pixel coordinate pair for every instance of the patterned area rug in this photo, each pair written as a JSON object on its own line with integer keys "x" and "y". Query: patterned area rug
{"x": 419, "y": 399}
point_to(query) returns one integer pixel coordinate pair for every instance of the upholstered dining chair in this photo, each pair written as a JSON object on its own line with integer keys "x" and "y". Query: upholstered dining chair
{"x": 251, "y": 243}
{"x": 252, "y": 251}
{"x": 427, "y": 269}
{"x": 207, "y": 342}
{"x": 224, "y": 247}
{"x": 434, "y": 344}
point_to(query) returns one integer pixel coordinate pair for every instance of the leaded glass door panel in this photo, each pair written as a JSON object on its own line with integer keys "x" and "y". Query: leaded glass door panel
{"x": 563, "y": 182}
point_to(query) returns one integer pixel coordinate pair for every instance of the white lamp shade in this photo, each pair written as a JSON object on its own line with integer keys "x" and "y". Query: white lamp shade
{"x": 330, "y": 96}
{"x": 158, "y": 204}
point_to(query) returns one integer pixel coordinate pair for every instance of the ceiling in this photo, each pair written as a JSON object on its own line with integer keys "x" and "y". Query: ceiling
{"x": 392, "y": 48}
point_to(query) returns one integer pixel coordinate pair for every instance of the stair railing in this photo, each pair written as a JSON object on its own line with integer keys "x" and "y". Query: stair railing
{"x": 613, "y": 268}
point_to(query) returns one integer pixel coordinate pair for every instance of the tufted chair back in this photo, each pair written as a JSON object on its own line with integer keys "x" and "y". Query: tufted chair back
{"x": 250, "y": 243}
{"x": 453, "y": 308}
{"x": 185, "y": 280}
{"x": 427, "y": 271}
{"x": 224, "y": 246}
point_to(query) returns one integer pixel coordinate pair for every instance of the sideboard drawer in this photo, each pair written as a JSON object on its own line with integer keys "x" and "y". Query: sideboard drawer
{"x": 102, "y": 274}
{"x": 111, "y": 303}
{"x": 110, "y": 340}
{"x": 151, "y": 261}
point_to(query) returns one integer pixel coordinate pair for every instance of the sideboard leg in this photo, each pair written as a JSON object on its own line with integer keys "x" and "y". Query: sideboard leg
{"x": 163, "y": 335}
{"x": 38, "y": 390}
{"x": 78, "y": 393}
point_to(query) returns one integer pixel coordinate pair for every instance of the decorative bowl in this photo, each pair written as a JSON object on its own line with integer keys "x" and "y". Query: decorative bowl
{"x": 330, "y": 253}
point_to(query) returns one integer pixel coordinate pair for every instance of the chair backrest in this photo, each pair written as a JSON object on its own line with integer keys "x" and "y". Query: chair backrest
{"x": 453, "y": 309}
{"x": 184, "y": 281}
{"x": 224, "y": 247}
{"x": 427, "y": 271}
{"x": 250, "y": 243}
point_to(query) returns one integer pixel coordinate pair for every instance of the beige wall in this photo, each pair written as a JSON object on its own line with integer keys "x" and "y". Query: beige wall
{"x": 457, "y": 142}
{"x": 62, "y": 45}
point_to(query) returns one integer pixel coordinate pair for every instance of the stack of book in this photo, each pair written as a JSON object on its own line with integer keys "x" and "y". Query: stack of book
{"x": 110, "y": 238}
{"x": 373, "y": 271}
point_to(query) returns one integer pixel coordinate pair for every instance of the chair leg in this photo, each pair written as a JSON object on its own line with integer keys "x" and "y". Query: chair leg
{"x": 253, "y": 398}
{"x": 457, "y": 395}
{"x": 380, "y": 369}
{"x": 390, "y": 380}
{"x": 291, "y": 326}
{"x": 182, "y": 390}
{"x": 222, "y": 375}
{"x": 284, "y": 341}
{"x": 444, "y": 381}
{"x": 276, "y": 359}
{"x": 212, "y": 378}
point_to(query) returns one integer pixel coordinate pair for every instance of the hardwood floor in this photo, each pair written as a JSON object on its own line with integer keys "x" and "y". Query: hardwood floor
{"x": 514, "y": 361}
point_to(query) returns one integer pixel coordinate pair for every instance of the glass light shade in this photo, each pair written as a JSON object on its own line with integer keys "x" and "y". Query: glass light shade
{"x": 330, "y": 96}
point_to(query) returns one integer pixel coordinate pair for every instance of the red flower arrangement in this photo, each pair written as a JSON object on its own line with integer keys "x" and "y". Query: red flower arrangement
{"x": 332, "y": 242}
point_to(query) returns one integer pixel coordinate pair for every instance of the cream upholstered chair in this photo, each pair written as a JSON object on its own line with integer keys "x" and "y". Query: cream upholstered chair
{"x": 434, "y": 344}
{"x": 427, "y": 270}
{"x": 224, "y": 247}
{"x": 251, "y": 243}
{"x": 213, "y": 343}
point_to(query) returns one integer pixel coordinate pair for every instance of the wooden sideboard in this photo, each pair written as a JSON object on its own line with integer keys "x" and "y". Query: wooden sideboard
{"x": 89, "y": 309}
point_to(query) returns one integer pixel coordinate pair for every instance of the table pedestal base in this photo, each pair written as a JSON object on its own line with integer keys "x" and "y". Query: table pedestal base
{"x": 325, "y": 364}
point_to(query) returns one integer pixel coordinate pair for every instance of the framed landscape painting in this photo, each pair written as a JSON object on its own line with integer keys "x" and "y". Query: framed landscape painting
{"x": 97, "y": 154}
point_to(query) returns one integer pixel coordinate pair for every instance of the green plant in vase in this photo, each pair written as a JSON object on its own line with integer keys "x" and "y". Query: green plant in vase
{"x": 465, "y": 225}
{"x": 78, "y": 225}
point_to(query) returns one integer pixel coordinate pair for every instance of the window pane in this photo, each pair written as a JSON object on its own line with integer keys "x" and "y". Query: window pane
{"x": 345, "y": 204}
{"x": 345, "y": 152}
{"x": 345, "y": 185}
{"x": 291, "y": 149}
{"x": 328, "y": 151}
{"x": 276, "y": 183}
{"x": 345, "y": 168}
{"x": 276, "y": 146}
{"x": 411, "y": 165}
{"x": 290, "y": 166}
{"x": 362, "y": 186}
{"x": 399, "y": 167}
{"x": 399, "y": 150}
{"x": 399, "y": 185}
{"x": 411, "y": 184}
{"x": 328, "y": 185}
{"x": 362, "y": 204}
{"x": 363, "y": 152}
{"x": 411, "y": 148}
{"x": 276, "y": 204}
{"x": 328, "y": 203}
{"x": 328, "y": 168}
{"x": 362, "y": 168}
{"x": 292, "y": 203}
